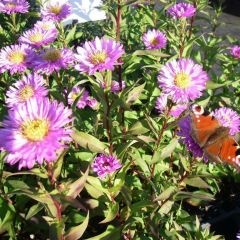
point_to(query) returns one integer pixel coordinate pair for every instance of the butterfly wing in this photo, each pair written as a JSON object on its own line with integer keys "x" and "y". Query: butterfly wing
{"x": 203, "y": 125}
{"x": 225, "y": 150}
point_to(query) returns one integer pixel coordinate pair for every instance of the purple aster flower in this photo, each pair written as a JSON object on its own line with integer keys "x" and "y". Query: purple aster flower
{"x": 38, "y": 37}
{"x": 177, "y": 110}
{"x": 154, "y": 39}
{"x": 98, "y": 55}
{"x": 182, "y": 10}
{"x": 14, "y": 6}
{"x": 46, "y": 26}
{"x": 51, "y": 59}
{"x": 235, "y": 51}
{"x": 228, "y": 118}
{"x": 161, "y": 103}
{"x": 185, "y": 134}
{"x": 31, "y": 86}
{"x": 84, "y": 100}
{"x": 115, "y": 86}
{"x": 15, "y": 58}
{"x": 92, "y": 103}
{"x": 104, "y": 165}
{"x": 35, "y": 131}
{"x": 56, "y": 11}
{"x": 182, "y": 80}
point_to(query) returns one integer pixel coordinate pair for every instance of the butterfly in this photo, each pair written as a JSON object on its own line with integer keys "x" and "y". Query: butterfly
{"x": 213, "y": 138}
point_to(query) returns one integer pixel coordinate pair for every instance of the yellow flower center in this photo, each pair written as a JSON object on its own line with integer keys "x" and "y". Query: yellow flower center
{"x": 11, "y": 5}
{"x": 35, "y": 130}
{"x": 52, "y": 55}
{"x": 98, "y": 58}
{"x": 74, "y": 96}
{"x": 56, "y": 9}
{"x": 182, "y": 80}
{"x": 26, "y": 93}
{"x": 36, "y": 37}
{"x": 17, "y": 57}
{"x": 154, "y": 42}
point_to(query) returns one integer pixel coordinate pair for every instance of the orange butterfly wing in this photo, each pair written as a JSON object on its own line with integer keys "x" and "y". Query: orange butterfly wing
{"x": 225, "y": 150}
{"x": 202, "y": 127}
{"x": 213, "y": 138}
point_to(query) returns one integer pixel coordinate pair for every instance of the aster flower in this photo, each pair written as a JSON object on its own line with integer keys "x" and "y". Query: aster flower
{"x": 15, "y": 58}
{"x": 51, "y": 59}
{"x": 115, "y": 86}
{"x": 14, "y": 6}
{"x": 235, "y": 51}
{"x": 182, "y": 10}
{"x": 177, "y": 110}
{"x": 46, "y": 26}
{"x": 98, "y": 55}
{"x": 56, "y": 10}
{"x": 38, "y": 37}
{"x": 154, "y": 39}
{"x": 185, "y": 137}
{"x": 182, "y": 80}
{"x": 30, "y": 86}
{"x": 104, "y": 165}
{"x": 228, "y": 118}
{"x": 161, "y": 103}
{"x": 35, "y": 131}
{"x": 84, "y": 100}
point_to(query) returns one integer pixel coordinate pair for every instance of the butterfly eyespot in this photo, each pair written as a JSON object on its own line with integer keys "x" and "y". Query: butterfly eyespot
{"x": 197, "y": 109}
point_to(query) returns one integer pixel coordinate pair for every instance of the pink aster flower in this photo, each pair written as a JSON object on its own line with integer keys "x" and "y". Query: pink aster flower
{"x": 182, "y": 10}
{"x": 228, "y": 118}
{"x": 35, "y": 131}
{"x": 183, "y": 80}
{"x": 154, "y": 39}
{"x": 30, "y": 86}
{"x": 161, "y": 103}
{"x": 56, "y": 11}
{"x": 177, "y": 110}
{"x": 51, "y": 59}
{"x": 185, "y": 137}
{"x": 235, "y": 51}
{"x": 104, "y": 165}
{"x": 15, "y": 58}
{"x": 115, "y": 86}
{"x": 38, "y": 37}
{"x": 84, "y": 100}
{"x": 46, "y": 26}
{"x": 98, "y": 55}
{"x": 14, "y": 6}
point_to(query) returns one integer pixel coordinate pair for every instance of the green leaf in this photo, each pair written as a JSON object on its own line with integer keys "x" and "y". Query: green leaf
{"x": 167, "y": 193}
{"x": 70, "y": 35}
{"x": 34, "y": 210}
{"x": 57, "y": 167}
{"x": 166, "y": 207}
{"x": 156, "y": 53}
{"x": 138, "y": 128}
{"x": 196, "y": 182}
{"x": 134, "y": 94}
{"x": 42, "y": 173}
{"x": 76, "y": 187}
{"x": 213, "y": 85}
{"x": 165, "y": 152}
{"x": 112, "y": 212}
{"x": 76, "y": 233}
{"x": 89, "y": 142}
{"x": 110, "y": 234}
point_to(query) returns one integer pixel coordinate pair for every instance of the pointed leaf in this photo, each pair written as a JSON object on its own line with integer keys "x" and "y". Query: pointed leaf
{"x": 112, "y": 212}
{"x": 89, "y": 142}
{"x": 76, "y": 187}
{"x": 76, "y": 233}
